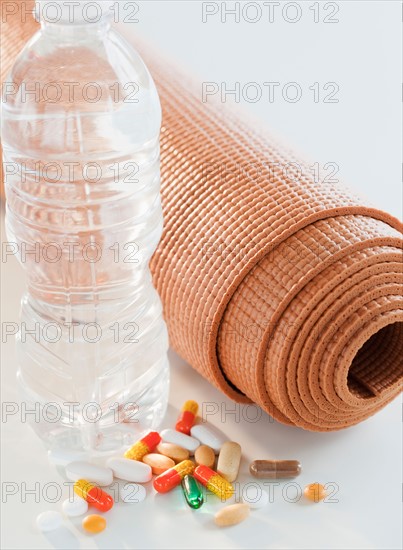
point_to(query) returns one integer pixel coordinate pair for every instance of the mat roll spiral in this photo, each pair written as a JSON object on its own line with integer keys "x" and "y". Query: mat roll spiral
{"x": 279, "y": 290}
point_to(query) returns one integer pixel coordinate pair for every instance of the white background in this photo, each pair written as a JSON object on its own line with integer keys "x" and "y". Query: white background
{"x": 361, "y": 134}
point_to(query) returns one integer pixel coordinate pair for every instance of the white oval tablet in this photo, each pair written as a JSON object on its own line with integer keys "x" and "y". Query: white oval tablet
{"x": 208, "y": 435}
{"x": 75, "y": 506}
{"x": 48, "y": 521}
{"x": 90, "y": 472}
{"x": 255, "y": 496}
{"x": 178, "y": 438}
{"x": 130, "y": 470}
{"x": 132, "y": 493}
{"x": 62, "y": 458}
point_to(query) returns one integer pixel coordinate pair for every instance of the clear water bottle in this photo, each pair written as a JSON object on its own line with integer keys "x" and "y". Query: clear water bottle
{"x": 80, "y": 132}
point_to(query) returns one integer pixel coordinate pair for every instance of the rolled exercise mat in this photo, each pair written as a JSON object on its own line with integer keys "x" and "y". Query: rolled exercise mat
{"x": 279, "y": 290}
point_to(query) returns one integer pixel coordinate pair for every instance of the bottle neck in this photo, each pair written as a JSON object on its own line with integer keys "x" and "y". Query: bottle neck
{"x": 75, "y": 34}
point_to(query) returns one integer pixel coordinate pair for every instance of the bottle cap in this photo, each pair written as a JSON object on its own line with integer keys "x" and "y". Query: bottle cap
{"x": 72, "y": 12}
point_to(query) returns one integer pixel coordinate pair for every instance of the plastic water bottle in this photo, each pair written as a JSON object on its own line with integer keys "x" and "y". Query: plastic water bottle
{"x": 80, "y": 132}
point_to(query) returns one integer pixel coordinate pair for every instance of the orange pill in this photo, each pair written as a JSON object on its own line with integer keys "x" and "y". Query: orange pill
{"x": 315, "y": 492}
{"x": 159, "y": 463}
{"x": 94, "y": 523}
{"x": 205, "y": 456}
{"x": 173, "y": 451}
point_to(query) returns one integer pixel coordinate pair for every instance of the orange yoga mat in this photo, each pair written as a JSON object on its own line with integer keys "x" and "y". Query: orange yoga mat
{"x": 279, "y": 290}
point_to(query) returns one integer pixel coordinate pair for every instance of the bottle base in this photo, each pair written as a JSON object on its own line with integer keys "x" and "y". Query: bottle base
{"x": 64, "y": 433}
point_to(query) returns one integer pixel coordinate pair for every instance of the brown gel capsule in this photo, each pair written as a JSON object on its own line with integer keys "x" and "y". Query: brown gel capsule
{"x": 275, "y": 469}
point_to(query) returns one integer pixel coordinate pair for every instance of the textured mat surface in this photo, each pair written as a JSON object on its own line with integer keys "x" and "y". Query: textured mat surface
{"x": 279, "y": 290}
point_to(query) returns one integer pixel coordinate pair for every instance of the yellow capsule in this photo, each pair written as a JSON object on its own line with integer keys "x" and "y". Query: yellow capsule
{"x": 143, "y": 447}
{"x": 185, "y": 468}
{"x": 172, "y": 477}
{"x": 220, "y": 487}
{"x": 137, "y": 452}
{"x": 315, "y": 492}
{"x": 190, "y": 406}
{"x": 82, "y": 487}
{"x": 187, "y": 417}
{"x": 93, "y": 495}
{"x": 94, "y": 523}
{"x": 214, "y": 482}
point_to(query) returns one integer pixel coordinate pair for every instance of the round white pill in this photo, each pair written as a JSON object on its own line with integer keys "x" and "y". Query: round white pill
{"x": 130, "y": 470}
{"x": 89, "y": 472}
{"x": 74, "y": 507}
{"x": 132, "y": 493}
{"x": 255, "y": 496}
{"x": 178, "y": 438}
{"x": 208, "y": 435}
{"x": 48, "y": 521}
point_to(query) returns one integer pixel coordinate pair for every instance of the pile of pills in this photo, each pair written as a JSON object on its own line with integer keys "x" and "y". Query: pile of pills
{"x": 185, "y": 457}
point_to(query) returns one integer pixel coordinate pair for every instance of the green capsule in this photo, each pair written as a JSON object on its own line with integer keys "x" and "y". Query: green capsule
{"x": 193, "y": 493}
